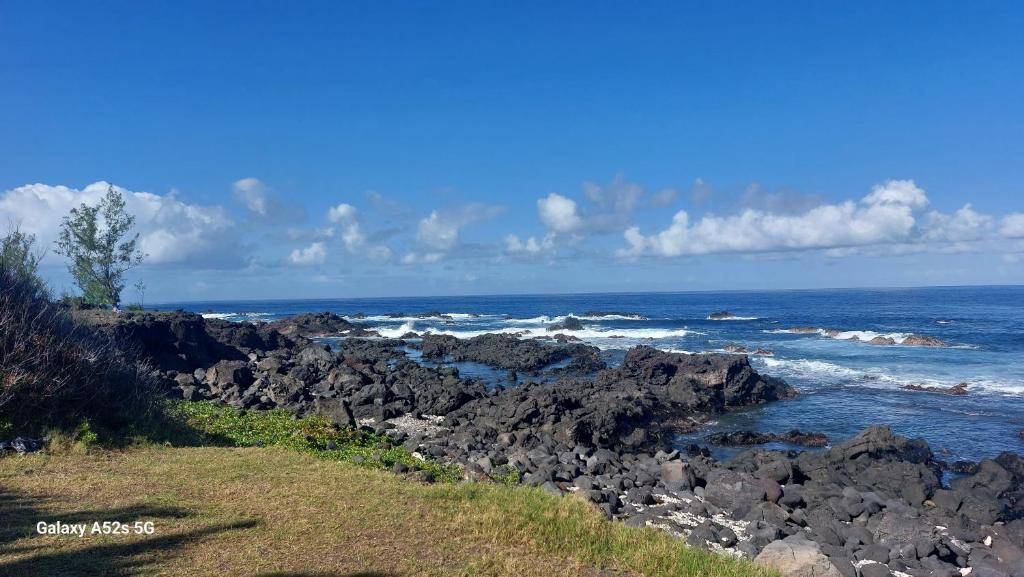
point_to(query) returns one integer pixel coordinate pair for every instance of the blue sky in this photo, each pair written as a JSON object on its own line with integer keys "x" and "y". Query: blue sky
{"x": 470, "y": 147}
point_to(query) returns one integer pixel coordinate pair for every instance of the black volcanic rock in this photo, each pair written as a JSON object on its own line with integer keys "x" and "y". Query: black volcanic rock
{"x": 319, "y": 325}
{"x": 745, "y": 438}
{"x": 570, "y": 323}
{"x": 507, "y": 352}
{"x": 704, "y": 382}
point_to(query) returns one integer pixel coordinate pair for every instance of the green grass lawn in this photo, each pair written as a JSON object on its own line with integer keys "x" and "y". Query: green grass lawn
{"x": 295, "y": 504}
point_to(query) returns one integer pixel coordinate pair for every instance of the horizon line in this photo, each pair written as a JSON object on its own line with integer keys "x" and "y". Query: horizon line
{"x": 592, "y": 293}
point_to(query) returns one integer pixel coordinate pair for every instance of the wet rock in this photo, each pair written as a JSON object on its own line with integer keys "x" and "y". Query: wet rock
{"x": 318, "y": 325}
{"x": 955, "y": 390}
{"x": 570, "y": 323}
{"x": 924, "y": 341}
{"x": 746, "y": 438}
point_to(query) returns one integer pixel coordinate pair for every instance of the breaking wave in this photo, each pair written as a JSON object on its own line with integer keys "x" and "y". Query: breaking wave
{"x": 831, "y": 373}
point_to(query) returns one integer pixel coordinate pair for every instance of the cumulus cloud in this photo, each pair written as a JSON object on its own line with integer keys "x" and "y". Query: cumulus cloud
{"x": 171, "y": 231}
{"x": 313, "y": 254}
{"x": 345, "y": 215}
{"x": 531, "y": 246}
{"x": 256, "y": 197}
{"x": 897, "y": 192}
{"x": 1013, "y": 225}
{"x": 558, "y": 213}
{"x": 966, "y": 224}
{"x": 437, "y": 232}
{"x": 885, "y": 215}
{"x": 253, "y": 193}
{"x": 440, "y": 230}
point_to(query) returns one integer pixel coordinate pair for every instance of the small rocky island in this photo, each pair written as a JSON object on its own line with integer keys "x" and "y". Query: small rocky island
{"x": 871, "y": 506}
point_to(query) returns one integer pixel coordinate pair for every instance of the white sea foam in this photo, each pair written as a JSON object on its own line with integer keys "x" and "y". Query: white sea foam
{"x": 396, "y": 332}
{"x": 733, "y": 318}
{"x": 605, "y": 338}
{"x": 863, "y": 336}
{"x": 441, "y": 317}
{"x": 541, "y": 320}
{"x": 832, "y": 373}
{"x": 547, "y": 320}
{"x": 217, "y": 315}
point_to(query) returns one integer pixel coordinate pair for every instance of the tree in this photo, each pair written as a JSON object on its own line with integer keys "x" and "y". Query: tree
{"x": 18, "y": 253}
{"x": 95, "y": 239}
{"x": 140, "y": 289}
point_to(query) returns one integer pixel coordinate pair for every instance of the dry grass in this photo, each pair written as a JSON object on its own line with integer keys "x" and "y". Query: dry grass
{"x": 271, "y": 511}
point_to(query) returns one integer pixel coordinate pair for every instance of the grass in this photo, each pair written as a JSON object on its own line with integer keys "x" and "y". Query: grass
{"x": 262, "y": 493}
{"x": 276, "y": 511}
{"x": 224, "y": 425}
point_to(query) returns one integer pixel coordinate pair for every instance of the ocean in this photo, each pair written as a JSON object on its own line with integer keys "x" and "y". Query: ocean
{"x": 845, "y": 384}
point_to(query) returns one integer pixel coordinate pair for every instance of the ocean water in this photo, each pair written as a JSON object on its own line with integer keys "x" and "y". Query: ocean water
{"x": 845, "y": 385}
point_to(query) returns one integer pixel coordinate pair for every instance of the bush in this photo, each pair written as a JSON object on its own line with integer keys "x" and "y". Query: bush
{"x": 54, "y": 373}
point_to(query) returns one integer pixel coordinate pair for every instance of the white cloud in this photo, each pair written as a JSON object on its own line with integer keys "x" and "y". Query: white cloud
{"x": 531, "y": 246}
{"x": 886, "y": 215}
{"x": 315, "y": 253}
{"x": 346, "y": 216}
{"x": 897, "y": 192}
{"x": 440, "y": 230}
{"x": 170, "y": 231}
{"x": 437, "y": 232}
{"x": 253, "y": 193}
{"x": 426, "y": 258}
{"x": 1013, "y": 225}
{"x": 342, "y": 213}
{"x": 965, "y": 224}
{"x": 558, "y": 213}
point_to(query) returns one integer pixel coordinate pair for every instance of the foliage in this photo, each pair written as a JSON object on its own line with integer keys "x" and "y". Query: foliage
{"x": 140, "y": 291}
{"x": 316, "y": 435}
{"x": 95, "y": 239}
{"x": 18, "y": 253}
{"x": 506, "y": 475}
{"x": 315, "y": 518}
{"x": 54, "y": 373}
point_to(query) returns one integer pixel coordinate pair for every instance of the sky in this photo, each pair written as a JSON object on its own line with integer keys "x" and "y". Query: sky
{"x": 328, "y": 149}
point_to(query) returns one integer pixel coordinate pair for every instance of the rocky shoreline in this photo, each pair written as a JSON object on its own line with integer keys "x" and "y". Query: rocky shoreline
{"x": 872, "y": 506}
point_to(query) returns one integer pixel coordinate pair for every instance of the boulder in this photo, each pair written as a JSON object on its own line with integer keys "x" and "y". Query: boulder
{"x": 923, "y": 341}
{"x": 570, "y": 323}
{"x": 797, "y": 558}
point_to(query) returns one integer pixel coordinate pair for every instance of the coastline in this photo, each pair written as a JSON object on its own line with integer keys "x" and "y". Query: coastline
{"x": 601, "y": 434}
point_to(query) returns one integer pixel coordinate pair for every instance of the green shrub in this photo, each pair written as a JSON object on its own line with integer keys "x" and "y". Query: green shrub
{"x": 54, "y": 373}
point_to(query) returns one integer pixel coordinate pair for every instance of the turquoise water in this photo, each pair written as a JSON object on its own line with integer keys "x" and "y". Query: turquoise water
{"x": 845, "y": 384}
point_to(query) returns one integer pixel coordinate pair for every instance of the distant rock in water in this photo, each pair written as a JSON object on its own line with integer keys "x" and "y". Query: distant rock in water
{"x": 746, "y": 438}
{"x": 721, "y": 316}
{"x": 956, "y": 390}
{"x": 320, "y": 325}
{"x": 861, "y": 336}
{"x": 923, "y": 341}
{"x": 742, "y": 350}
{"x": 569, "y": 324}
